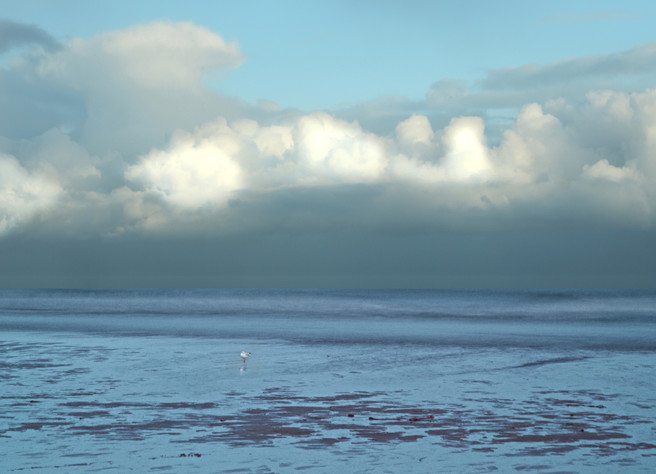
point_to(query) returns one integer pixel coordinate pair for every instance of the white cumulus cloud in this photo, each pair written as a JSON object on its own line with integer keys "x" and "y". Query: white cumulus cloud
{"x": 23, "y": 194}
{"x": 191, "y": 173}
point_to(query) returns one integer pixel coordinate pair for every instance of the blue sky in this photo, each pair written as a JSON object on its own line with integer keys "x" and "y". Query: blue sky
{"x": 312, "y": 54}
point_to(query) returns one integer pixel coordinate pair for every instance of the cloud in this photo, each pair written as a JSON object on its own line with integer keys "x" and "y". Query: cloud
{"x": 333, "y": 150}
{"x": 593, "y": 17}
{"x": 500, "y": 93}
{"x": 133, "y": 141}
{"x": 191, "y": 174}
{"x": 15, "y": 35}
{"x": 633, "y": 62}
{"x": 202, "y": 170}
{"x": 603, "y": 170}
{"x": 116, "y": 142}
{"x": 546, "y": 160}
{"x": 415, "y": 131}
{"x": 125, "y": 91}
{"x": 23, "y": 194}
{"x": 158, "y": 55}
{"x": 467, "y": 156}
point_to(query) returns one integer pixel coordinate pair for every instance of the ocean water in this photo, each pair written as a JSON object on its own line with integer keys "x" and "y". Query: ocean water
{"x": 350, "y": 381}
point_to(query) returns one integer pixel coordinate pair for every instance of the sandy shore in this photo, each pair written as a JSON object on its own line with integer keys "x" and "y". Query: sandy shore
{"x": 105, "y": 403}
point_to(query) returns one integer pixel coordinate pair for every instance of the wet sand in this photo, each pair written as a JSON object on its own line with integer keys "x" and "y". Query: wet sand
{"x": 94, "y": 403}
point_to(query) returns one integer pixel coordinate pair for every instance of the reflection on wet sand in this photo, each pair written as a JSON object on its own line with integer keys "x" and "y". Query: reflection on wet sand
{"x": 69, "y": 406}
{"x": 546, "y": 423}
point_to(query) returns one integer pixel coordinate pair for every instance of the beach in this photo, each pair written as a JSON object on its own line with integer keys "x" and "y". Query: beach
{"x": 351, "y": 381}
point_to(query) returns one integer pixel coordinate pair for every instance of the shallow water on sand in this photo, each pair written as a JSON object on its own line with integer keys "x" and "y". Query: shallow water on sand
{"x": 360, "y": 381}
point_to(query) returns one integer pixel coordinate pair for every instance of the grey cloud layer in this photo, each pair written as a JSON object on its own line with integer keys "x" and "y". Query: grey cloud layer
{"x": 637, "y": 61}
{"x": 500, "y": 93}
{"x": 14, "y": 35}
{"x": 118, "y": 135}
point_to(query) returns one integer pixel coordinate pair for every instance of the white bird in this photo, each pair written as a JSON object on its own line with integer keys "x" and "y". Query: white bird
{"x": 244, "y": 356}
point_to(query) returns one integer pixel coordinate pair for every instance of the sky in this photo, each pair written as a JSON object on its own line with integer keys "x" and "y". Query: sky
{"x": 370, "y": 144}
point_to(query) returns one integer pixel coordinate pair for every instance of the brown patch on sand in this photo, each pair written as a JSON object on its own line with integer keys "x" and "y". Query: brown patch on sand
{"x": 548, "y": 423}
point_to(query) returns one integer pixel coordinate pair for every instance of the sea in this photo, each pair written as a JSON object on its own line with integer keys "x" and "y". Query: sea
{"x": 342, "y": 381}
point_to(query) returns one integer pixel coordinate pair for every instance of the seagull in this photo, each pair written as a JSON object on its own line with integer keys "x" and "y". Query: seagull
{"x": 244, "y": 356}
